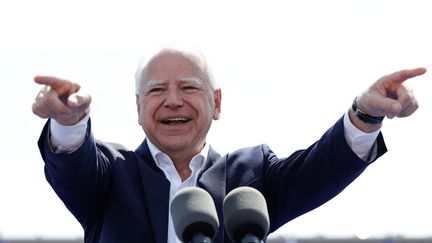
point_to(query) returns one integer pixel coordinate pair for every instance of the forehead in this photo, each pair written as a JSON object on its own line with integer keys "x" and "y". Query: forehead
{"x": 171, "y": 65}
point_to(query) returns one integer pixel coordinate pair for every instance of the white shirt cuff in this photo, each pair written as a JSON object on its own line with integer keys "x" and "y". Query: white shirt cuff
{"x": 67, "y": 139}
{"x": 361, "y": 143}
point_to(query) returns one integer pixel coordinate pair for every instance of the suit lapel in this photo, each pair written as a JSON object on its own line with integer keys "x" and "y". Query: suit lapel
{"x": 156, "y": 192}
{"x": 212, "y": 179}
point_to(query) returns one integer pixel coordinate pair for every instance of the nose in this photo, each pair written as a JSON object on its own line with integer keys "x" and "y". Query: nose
{"x": 173, "y": 99}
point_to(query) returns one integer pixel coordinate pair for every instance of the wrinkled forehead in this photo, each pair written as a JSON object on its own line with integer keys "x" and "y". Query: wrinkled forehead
{"x": 174, "y": 62}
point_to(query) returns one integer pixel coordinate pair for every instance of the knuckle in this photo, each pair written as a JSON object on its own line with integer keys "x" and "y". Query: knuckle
{"x": 50, "y": 99}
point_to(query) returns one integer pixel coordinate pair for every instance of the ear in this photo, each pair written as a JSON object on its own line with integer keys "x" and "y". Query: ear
{"x": 137, "y": 101}
{"x": 218, "y": 103}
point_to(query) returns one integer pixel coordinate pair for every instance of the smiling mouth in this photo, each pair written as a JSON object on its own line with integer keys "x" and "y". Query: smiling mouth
{"x": 175, "y": 121}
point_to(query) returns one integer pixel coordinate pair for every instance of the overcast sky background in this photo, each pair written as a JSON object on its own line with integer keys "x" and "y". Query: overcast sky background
{"x": 288, "y": 70}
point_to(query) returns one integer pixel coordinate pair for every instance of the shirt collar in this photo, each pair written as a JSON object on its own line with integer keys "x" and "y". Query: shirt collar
{"x": 194, "y": 165}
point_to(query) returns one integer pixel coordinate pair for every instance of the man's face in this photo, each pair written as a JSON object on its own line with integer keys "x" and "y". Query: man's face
{"x": 176, "y": 104}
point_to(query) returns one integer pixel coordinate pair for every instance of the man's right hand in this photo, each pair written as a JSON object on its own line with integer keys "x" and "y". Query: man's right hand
{"x": 61, "y": 100}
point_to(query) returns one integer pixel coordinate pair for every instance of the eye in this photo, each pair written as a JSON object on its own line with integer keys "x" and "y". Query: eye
{"x": 190, "y": 88}
{"x": 155, "y": 90}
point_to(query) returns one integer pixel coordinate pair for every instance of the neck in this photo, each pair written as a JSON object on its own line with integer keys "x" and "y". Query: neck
{"x": 181, "y": 159}
{"x": 181, "y": 163}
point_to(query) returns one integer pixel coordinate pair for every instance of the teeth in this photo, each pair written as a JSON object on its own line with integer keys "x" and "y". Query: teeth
{"x": 176, "y": 120}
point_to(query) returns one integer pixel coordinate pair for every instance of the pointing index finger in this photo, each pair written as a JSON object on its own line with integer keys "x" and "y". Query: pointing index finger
{"x": 52, "y": 81}
{"x": 403, "y": 75}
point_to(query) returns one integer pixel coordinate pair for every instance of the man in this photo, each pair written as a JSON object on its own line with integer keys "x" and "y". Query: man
{"x": 120, "y": 195}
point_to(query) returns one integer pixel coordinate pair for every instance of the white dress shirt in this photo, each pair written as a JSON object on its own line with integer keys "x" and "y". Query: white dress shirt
{"x": 167, "y": 166}
{"x": 66, "y": 139}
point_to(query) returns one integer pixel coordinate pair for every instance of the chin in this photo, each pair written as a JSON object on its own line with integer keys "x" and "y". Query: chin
{"x": 175, "y": 145}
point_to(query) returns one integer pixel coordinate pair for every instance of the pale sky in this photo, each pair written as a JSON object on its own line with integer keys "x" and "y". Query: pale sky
{"x": 288, "y": 70}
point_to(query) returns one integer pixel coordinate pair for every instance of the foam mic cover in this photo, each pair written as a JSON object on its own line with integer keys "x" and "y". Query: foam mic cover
{"x": 193, "y": 211}
{"x": 245, "y": 212}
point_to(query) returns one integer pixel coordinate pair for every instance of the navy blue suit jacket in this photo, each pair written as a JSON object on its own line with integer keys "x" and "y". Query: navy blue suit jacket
{"x": 120, "y": 195}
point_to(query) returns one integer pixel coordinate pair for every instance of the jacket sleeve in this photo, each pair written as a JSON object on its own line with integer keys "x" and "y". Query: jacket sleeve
{"x": 309, "y": 178}
{"x": 81, "y": 179}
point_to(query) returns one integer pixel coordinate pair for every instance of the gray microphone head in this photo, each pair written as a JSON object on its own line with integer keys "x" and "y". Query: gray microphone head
{"x": 245, "y": 212}
{"x": 193, "y": 211}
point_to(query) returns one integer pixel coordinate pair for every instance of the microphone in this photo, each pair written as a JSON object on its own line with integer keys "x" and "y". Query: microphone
{"x": 194, "y": 215}
{"x": 245, "y": 214}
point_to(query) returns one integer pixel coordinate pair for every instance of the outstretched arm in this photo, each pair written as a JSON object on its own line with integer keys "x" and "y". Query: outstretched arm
{"x": 75, "y": 168}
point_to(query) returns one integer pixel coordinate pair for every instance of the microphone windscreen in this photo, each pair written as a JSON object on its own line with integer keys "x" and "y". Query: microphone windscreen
{"x": 245, "y": 212}
{"x": 193, "y": 211}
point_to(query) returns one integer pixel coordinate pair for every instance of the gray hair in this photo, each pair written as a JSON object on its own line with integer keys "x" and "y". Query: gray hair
{"x": 145, "y": 61}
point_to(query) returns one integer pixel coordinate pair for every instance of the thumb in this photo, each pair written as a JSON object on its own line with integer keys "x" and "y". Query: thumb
{"x": 79, "y": 101}
{"x": 385, "y": 106}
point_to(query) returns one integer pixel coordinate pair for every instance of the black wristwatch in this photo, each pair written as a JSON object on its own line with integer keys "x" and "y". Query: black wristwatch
{"x": 365, "y": 117}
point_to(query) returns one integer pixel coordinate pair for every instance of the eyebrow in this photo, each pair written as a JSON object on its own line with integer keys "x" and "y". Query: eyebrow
{"x": 191, "y": 79}
{"x": 154, "y": 83}
{"x": 195, "y": 80}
